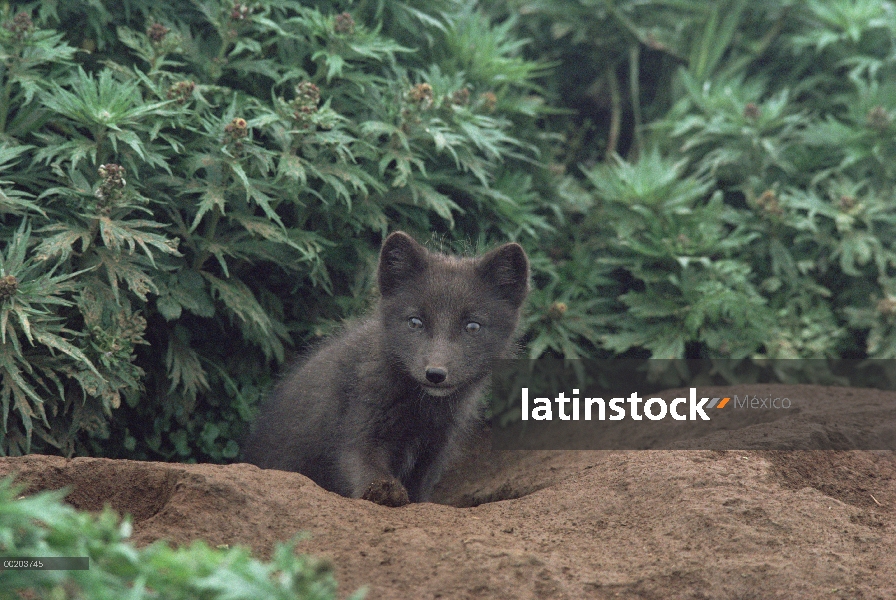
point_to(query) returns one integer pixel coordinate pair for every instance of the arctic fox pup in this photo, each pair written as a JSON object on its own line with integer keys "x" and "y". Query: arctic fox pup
{"x": 380, "y": 409}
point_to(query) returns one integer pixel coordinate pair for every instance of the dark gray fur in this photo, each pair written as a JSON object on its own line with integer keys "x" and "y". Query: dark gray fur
{"x": 363, "y": 407}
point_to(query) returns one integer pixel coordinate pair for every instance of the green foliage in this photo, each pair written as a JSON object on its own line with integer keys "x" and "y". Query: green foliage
{"x": 752, "y": 215}
{"x": 43, "y": 526}
{"x": 190, "y": 191}
{"x": 682, "y": 254}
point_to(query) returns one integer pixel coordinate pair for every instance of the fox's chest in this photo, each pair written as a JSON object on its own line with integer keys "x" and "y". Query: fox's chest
{"x": 405, "y": 458}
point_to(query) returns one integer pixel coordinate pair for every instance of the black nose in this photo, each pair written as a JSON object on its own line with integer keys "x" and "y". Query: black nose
{"x": 436, "y": 374}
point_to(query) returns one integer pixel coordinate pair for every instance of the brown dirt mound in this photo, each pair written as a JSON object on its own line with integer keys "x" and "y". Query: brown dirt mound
{"x": 696, "y": 524}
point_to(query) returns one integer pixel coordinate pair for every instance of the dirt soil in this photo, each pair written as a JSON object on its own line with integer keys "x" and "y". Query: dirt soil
{"x": 695, "y": 524}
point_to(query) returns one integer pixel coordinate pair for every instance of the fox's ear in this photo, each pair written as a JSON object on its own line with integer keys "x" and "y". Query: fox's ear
{"x": 507, "y": 269}
{"x": 401, "y": 259}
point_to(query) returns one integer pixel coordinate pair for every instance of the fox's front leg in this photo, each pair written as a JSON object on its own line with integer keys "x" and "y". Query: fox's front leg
{"x": 369, "y": 478}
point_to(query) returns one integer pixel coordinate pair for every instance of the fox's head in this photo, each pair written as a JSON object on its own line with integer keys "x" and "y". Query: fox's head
{"x": 447, "y": 319}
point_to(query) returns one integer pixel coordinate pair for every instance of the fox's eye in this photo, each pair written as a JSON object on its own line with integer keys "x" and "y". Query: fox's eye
{"x": 415, "y": 323}
{"x": 473, "y": 327}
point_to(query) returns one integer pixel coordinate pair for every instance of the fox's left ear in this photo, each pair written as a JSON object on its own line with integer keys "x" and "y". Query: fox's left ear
{"x": 507, "y": 269}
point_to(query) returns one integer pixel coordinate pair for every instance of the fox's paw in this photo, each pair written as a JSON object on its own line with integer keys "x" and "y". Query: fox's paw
{"x": 387, "y": 492}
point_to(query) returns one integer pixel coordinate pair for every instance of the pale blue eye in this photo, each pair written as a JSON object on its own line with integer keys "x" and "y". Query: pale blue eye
{"x": 473, "y": 327}
{"x": 415, "y": 323}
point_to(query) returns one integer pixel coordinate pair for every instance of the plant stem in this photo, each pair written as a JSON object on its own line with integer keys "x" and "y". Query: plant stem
{"x": 7, "y": 94}
{"x": 616, "y": 113}
{"x": 208, "y": 236}
{"x": 634, "y": 62}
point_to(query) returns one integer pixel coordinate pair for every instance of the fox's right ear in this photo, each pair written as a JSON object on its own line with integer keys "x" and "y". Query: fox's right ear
{"x": 401, "y": 259}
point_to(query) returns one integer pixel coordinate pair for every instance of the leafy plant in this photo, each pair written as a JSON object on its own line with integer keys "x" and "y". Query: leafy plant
{"x": 192, "y": 199}
{"x": 751, "y": 215}
{"x": 190, "y": 193}
{"x": 43, "y": 526}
